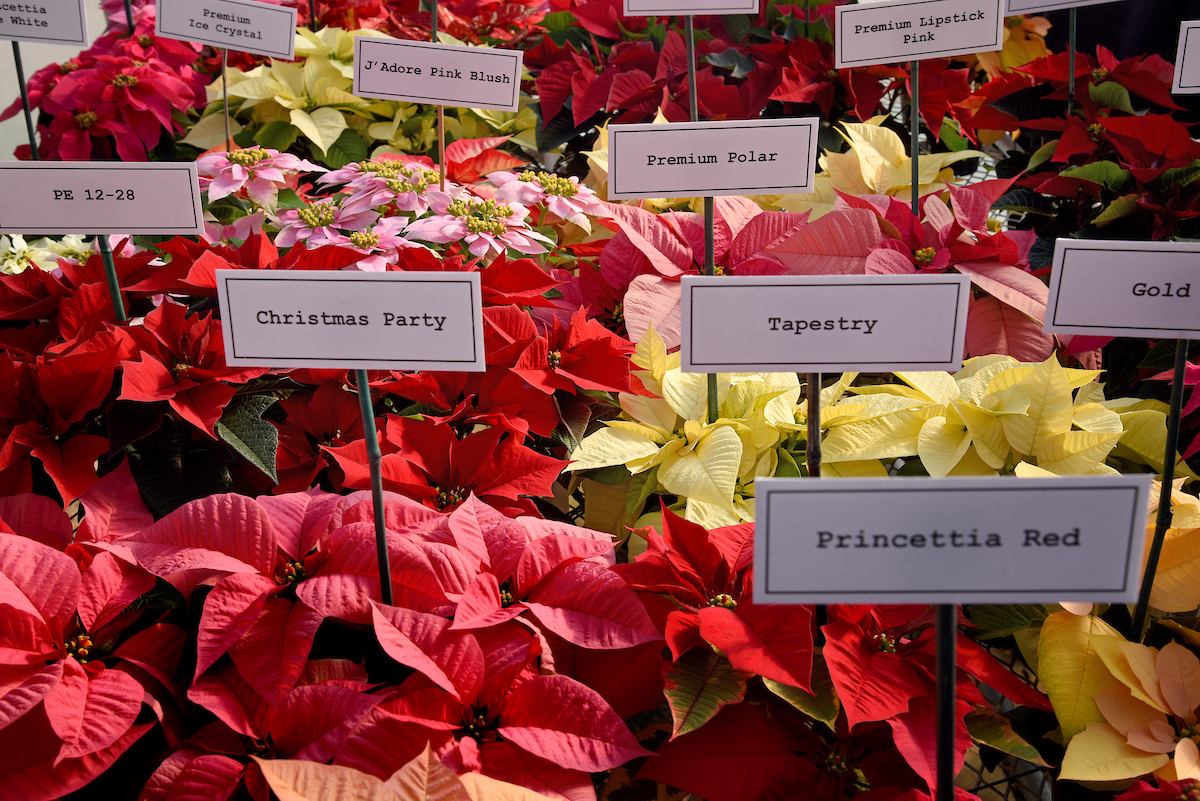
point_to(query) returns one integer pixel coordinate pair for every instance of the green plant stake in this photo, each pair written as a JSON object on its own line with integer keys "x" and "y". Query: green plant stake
{"x": 29, "y": 128}
{"x": 129, "y": 15}
{"x": 914, "y": 121}
{"x": 710, "y": 262}
{"x": 312, "y": 15}
{"x": 1163, "y": 521}
{"x": 1072, "y": 46}
{"x": 110, "y": 273}
{"x": 374, "y": 458}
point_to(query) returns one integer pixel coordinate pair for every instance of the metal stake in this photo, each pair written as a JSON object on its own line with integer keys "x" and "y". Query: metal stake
{"x": 946, "y": 635}
{"x": 1072, "y": 46}
{"x": 812, "y": 451}
{"x": 1163, "y": 521}
{"x": 441, "y": 110}
{"x": 807, "y": 19}
{"x": 110, "y": 273}
{"x": 374, "y": 459}
{"x": 30, "y": 130}
{"x": 710, "y": 262}
{"x": 225, "y": 97}
{"x": 312, "y": 15}
{"x": 915, "y": 123}
{"x": 129, "y": 16}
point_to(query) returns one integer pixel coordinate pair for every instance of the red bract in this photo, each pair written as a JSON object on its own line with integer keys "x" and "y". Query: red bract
{"x": 708, "y": 575}
{"x": 69, "y": 695}
{"x": 881, "y": 660}
{"x": 427, "y": 460}
{"x": 330, "y": 416}
{"x": 187, "y": 368}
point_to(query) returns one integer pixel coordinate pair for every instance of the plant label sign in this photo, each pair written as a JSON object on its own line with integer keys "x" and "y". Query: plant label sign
{"x": 48, "y": 21}
{"x": 1029, "y": 6}
{"x": 352, "y": 320}
{"x": 1004, "y": 540}
{"x": 907, "y": 30}
{"x": 816, "y": 324}
{"x": 650, "y": 8}
{"x": 444, "y": 75}
{"x": 1094, "y": 289}
{"x": 259, "y": 28}
{"x": 703, "y": 159}
{"x": 1187, "y": 60}
{"x": 99, "y": 197}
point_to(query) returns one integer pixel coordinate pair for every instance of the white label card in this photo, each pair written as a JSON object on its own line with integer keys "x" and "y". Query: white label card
{"x": 48, "y": 21}
{"x": 443, "y": 75}
{"x": 907, "y": 30}
{"x": 1125, "y": 289}
{"x": 99, "y": 197}
{"x": 1187, "y": 60}
{"x": 352, "y": 320}
{"x": 1029, "y": 6}
{"x": 999, "y": 540}
{"x": 702, "y": 159}
{"x": 816, "y": 324}
{"x": 250, "y": 27}
{"x": 649, "y": 8}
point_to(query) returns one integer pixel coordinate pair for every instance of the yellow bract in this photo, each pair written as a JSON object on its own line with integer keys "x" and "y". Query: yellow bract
{"x": 994, "y": 416}
{"x": 876, "y": 164}
{"x": 711, "y": 465}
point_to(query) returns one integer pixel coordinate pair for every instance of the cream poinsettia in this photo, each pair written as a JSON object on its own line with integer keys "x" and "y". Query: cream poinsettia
{"x": 711, "y": 465}
{"x": 1147, "y": 711}
{"x": 876, "y": 164}
{"x": 995, "y": 415}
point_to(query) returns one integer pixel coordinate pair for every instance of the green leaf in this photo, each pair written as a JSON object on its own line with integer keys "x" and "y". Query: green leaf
{"x": 640, "y": 489}
{"x": 995, "y": 730}
{"x": 1000, "y": 621}
{"x": 278, "y": 135}
{"x": 788, "y": 468}
{"x": 1121, "y": 207}
{"x": 1180, "y": 176}
{"x": 288, "y": 199}
{"x": 738, "y": 26}
{"x": 821, "y": 704}
{"x": 698, "y": 685}
{"x": 1105, "y": 173}
{"x": 731, "y": 59}
{"x": 1042, "y": 155}
{"x": 348, "y": 148}
{"x": 951, "y": 138}
{"x": 614, "y": 475}
{"x": 1111, "y": 94}
{"x": 243, "y": 429}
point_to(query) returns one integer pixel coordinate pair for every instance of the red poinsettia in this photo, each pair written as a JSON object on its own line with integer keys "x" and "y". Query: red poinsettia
{"x": 427, "y": 460}
{"x": 187, "y": 368}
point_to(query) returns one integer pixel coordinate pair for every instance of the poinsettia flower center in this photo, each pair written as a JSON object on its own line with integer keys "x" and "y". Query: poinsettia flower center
{"x": 723, "y": 600}
{"x": 448, "y": 498}
{"x": 550, "y": 184}
{"x": 180, "y": 370}
{"x": 319, "y": 214}
{"x": 364, "y": 239}
{"x": 415, "y": 181}
{"x": 481, "y": 216}
{"x": 388, "y": 169}
{"x": 924, "y": 256}
{"x": 1190, "y": 792}
{"x": 507, "y": 598}
{"x": 836, "y": 763}
{"x": 145, "y": 41}
{"x": 554, "y": 359}
{"x": 291, "y": 573}
{"x": 1095, "y": 131}
{"x": 885, "y": 643}
{"x": 86, "y": 119}
{"x": 475, "y": 723}
{"x": 1099, "y": 75}
{"x": 124, "y": 80}
{"x": 249, "y": 157}
{"x": 79, "y": 647}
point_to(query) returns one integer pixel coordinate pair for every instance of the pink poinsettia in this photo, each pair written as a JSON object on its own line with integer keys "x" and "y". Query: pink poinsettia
{"x": 564, "y": 197}
{"x": 386, "y": 182}
{"x": 317, "y": 223}
{"x": 257, "y": 170}
{"x": 381, "y": 242}
{"x": 487, "y": 226}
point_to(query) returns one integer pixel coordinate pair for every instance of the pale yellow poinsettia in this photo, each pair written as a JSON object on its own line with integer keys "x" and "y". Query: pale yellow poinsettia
{"x": 711, "y": 465}
{"x": 876, "y": 164}
{"x": 991, "y": 417}
{"x": 1147, "y": 715}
